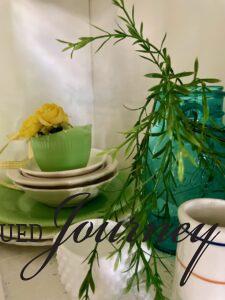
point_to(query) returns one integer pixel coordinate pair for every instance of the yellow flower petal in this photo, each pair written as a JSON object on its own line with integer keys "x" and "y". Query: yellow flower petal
{"x": 51, "y": 114}
{"x": 30, "y": 127}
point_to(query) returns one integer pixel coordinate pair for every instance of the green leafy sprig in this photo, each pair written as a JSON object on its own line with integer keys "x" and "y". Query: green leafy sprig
{"x": 174, "y": 128}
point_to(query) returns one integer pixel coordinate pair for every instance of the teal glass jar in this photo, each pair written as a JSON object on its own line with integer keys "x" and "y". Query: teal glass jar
{"x": 197, "y": 182}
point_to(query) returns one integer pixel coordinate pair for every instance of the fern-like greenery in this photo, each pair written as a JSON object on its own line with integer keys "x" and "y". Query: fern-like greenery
{"x": 175, "y": 127}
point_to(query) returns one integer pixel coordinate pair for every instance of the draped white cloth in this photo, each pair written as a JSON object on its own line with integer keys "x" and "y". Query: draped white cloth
{"x": 94, "y": 87}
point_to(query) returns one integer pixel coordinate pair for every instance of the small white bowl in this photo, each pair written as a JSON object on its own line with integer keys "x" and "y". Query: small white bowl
{"x": 53, "y": 197}
{"x": 110, "y": 283}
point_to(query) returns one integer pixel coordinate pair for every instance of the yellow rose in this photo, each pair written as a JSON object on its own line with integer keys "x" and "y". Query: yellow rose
{"x": 51, "y": 115}
{"x": 30, "y": 127}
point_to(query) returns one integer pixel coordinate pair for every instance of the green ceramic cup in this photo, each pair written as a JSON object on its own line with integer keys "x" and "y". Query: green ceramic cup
{"x": 64, "y": 150}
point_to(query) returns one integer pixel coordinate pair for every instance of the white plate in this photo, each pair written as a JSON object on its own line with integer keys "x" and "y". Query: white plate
{"x": 41, "y": 243}
{"x": 53, "y": 197}
{"x": 48, "y": 233}
{"x": 96, "y": 161}
{"x": 77, "y": 181}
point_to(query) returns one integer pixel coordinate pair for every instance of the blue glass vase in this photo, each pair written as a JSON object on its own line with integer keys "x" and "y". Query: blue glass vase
{"x": 197, "y": 182}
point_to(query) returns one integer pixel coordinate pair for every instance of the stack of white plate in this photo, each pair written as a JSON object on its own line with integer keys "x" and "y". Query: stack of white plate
{"x": 52, "y": 188}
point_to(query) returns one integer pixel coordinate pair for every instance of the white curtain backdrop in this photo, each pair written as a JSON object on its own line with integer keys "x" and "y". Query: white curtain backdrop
{"x": 33, "y": 68}
{"x": 94, "y": 87}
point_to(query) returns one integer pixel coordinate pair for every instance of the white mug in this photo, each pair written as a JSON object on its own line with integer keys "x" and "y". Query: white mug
{"x": 207, "y": 279}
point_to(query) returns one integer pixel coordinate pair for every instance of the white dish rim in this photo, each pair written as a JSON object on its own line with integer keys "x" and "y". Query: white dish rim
{"x": 69, "y": 189}
{"x": 44, "y": 183}
{"x": 68, "y": 173}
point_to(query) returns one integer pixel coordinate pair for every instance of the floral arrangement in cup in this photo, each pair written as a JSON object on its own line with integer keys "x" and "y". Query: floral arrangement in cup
{"x": 49, "y": 118}
{"x": 56, "y": 144}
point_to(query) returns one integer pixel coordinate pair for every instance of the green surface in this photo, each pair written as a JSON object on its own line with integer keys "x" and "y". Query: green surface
{"x": 17, "y": 208}
{"x": 64, "y": 150}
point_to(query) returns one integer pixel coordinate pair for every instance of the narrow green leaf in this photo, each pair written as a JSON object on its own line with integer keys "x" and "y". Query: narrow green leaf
{"x": 180, "y": 166}
{"x": 192, "y": 139}
{"x": 161, "y": 151}
{"x": 147, "y": 58}
{"x": 61, "y": 41}
{"x": 136, "y": 42}
{"x": 116, "y": 3}
{"x": 67, "y": 48}
{"x": 180, "y": 75}
{"x": 165, "y": 52}
{"x": 154, "y": 75}
{"x": 211, "y": 80}
{"x": 142, "y": 51}
{"x": 129, "y": 147}
{"x": 118, "y": 41}
{"x": 133, "y": 16}
{"x": 92, "y": 284}
{"x": 132, "y": 31}
{"x": 155, "y": 88}
{"x": 205, "y": 105}
{"x": 100, "y": 29}
{"x": 129, "y": 284}
{"x": 181, "y": 89}
{"x": 117, "y": 262}
{"x": 83, "y": 288}
{"x": 142, "y": 28}
{"x": 190, "y": 156}
{"x": 163, "y": 41}
{"x": 103, "y": 44}
{"x": 196, "y": 67}
{"x": 123, "y": 19}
